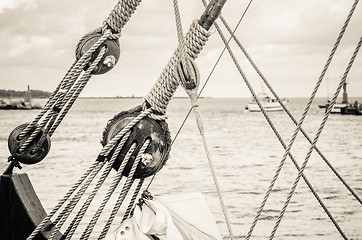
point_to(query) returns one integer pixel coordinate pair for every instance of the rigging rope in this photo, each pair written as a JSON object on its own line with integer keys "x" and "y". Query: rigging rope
{"x": 194, "y": 41}
{"x": 286, "y": 110}
{"x": 282, "y": 142}
{"x": 343, "y": 80}
{"x": 124, "y": 191}
{"x": 302, "y": 119}
{"x": 71, "y": 228}
{"x": 276, "y": 132}
{"x": 89, "y": 62}
{"x": 295, "y": 163}
{"x": 189, "y": 112}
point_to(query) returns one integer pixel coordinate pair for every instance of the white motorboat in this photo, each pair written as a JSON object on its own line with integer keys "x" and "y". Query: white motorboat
{"x": 269, "y": 104}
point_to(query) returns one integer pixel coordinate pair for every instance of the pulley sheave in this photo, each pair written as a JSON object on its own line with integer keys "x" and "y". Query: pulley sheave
{"x": 110, "y": 57}
{"x": 35, "y": 151}
{"x": 156, "y": 153}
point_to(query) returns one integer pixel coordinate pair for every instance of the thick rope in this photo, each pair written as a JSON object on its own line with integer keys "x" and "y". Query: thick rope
{"x": 184, "y": 58}
{"x": 167, "y": 83}
{"x": 118, "y": 17}
{"x": 277, "y": 133}
{"x": 132, "y": 201}
{"x": 320, "y": 129}
{"x": 63, "y": 200}
{"x": 60, "y": 220}
{"x": 286, "y": 110}
{"x": 108, "y": 195}
{"x": 72, "y": 227}
{"x": 124, "y": 191}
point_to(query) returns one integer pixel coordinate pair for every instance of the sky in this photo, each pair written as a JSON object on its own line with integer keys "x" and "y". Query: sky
{"x": 289, "y": 40}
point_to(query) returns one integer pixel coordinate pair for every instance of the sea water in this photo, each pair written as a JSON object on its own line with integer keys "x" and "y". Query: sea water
{"x": 245, "y": 153}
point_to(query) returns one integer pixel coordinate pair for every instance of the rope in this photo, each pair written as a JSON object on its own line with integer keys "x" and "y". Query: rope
{"x": 133, "y": 199}
{"x": 124, "y": 191}
{"x": 279, "y": 137}
{"x": 111, "y": 29}
{"x": 72, "y": 227}
{"x": 120, "y": 15}
{"x": 110, "y": 145}
{"x": 286, "y": 110}
{"x": 301, "y": 121}
{"x": 184, "y": 64}
{"x": 109, "y": 193}
{"x": 302, "y": 118}
{"x": 167, "y": 83}
{"x": 60, "y": 220}
{"x": 212, "y": 169}
{"x": 343, "y": 80}
{"x": 62, "y": 201}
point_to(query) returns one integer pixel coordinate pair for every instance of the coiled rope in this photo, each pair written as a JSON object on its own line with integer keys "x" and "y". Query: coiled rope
{"x": 167, "y": 83}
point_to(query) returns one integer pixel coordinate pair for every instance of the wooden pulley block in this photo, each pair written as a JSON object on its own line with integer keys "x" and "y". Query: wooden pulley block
{"x": 155, "y": 155}
{"x": 189, "y": 76}
{"x": 35, "y": 151}
{"x": 110, "y": 57}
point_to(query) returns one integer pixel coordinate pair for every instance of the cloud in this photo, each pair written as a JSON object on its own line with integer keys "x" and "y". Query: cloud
{"x": 11, "y": 4}
{"x": 289, "y": 39}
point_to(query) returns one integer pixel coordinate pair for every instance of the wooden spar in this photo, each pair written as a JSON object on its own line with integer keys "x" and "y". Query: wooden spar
{"x": 211, "y": 12}
{"x": 20, "y": 208}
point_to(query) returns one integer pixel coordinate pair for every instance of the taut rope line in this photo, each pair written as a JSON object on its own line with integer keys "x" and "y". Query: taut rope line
{"x": 72, "y": 227}
{"x": 108, "y": 195}
{"x": 287, "y": 111}
{"x": 276, "y": 132}
{"x": 302, "y": 119}
{"x": 278, "y": 135}
{"x": 96, "y": 52}
{"x": 124, "y": 191}
{"x": 295, "y": 183}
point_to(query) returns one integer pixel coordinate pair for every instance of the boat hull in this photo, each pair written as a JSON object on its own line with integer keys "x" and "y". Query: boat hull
{"x": 20, "y": 209}
{"x": 268, "y": 106}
